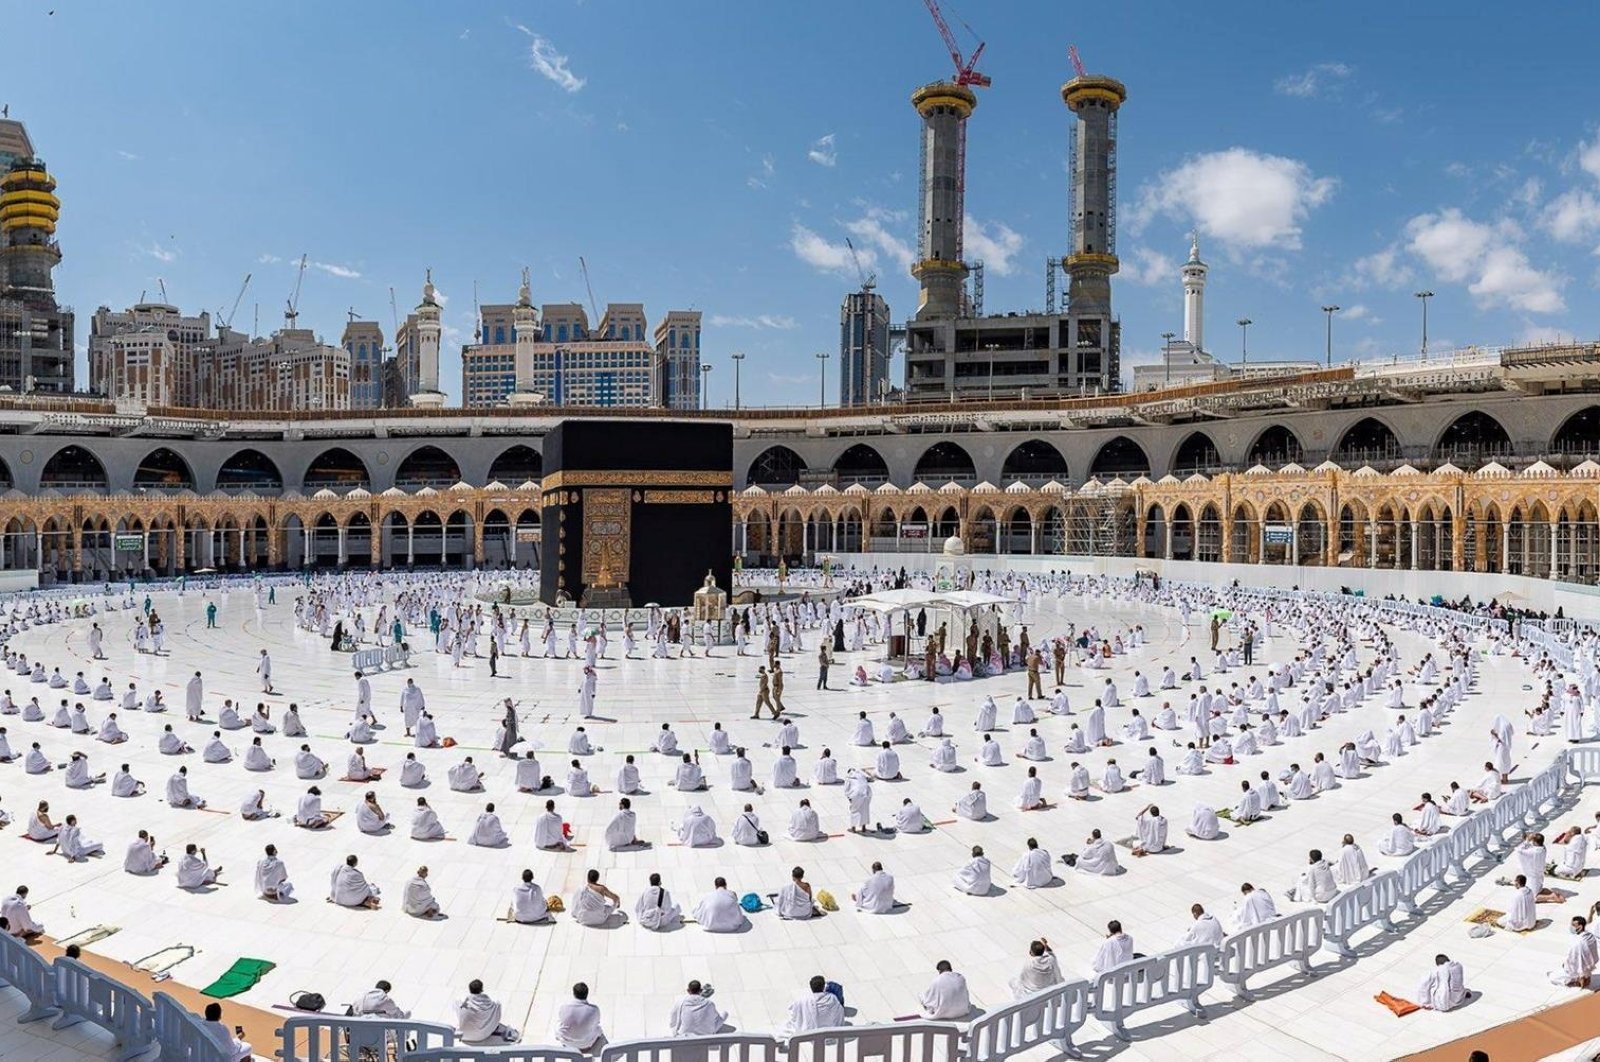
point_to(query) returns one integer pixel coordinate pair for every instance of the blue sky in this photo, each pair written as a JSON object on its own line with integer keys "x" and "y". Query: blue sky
{"x": 715, "y": 155}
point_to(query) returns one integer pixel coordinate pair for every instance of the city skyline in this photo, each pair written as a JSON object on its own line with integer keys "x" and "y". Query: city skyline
{"x": 1345, "y": 169}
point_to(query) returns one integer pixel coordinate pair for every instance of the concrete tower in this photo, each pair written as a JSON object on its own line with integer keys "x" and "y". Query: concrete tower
{"x": 945, "y": 108}
{"x": 36, "y": 351}
{"x": 525, "y": 332}
{"x": 429, "y": 331}
{"x": 1194, "y": 297}
{"x": 29, "y": 211}
{"x": 1092, "y": 257}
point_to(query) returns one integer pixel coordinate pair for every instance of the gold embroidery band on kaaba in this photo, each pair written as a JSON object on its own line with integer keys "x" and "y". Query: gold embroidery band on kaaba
{"x": 611, "y": 478}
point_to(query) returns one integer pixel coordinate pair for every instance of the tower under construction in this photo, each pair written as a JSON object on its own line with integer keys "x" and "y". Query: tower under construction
{"x": 941, "y": 187}
{"x": 35, "y": 331}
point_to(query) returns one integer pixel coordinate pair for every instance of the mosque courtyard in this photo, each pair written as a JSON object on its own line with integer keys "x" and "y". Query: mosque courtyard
{"x": 636, "y": 975}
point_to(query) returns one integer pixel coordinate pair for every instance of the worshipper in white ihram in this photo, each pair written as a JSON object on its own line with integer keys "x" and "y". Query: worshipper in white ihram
{"x": 528, "y": 905}
{"x": 946, "y": 998}
{"x": 817, "y": 1009}
{"x": 876, "y": 895}
{"x": 478, "y": 1018}
{"x": 718, "y": 910}
{"x": 272, "y": 877}
{"x": 1033, "y": 869}
{"x": 655, "y": 909}
{"x": 695, "y": 1015}
{"x": 1316, "y": 884}
{"x": 349, "y": 887}
{"x": 794, "y": 899}
{"x": 1039, "y": 971}
{"x": 1444, "y": 987}
{"x": 1583, "y": 954}
{"x": 975, "y": 878}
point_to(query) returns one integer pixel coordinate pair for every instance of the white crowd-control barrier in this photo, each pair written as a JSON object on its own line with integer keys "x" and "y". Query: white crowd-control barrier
{"x": 1370, "y": 903}
{"x": 731, "y": 1047}
{"x": 920, "y": 1041}
{"x": 1172, "y": 977}
{"x": 1425, "y": 869}
{"x": 392, "y": 656}
{"x": 1291, "y": 939}
{"x": 84, "y": 994}
{"x": 329, "y": 1038}
{"x": 25, "y": 970}
{"x": 463, "y": 1053}
{"x": 1050, "y": 1016}
{"x": 183, "y": 1036}
{"x": 1583, "y": 765}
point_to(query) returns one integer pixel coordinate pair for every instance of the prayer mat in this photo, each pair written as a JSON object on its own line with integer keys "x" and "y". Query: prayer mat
{"x": 241, "y": 977}
{"x": 1484, "y": 916}
{"x": 158, "y": 963}
{"x": 88, "y": 936}
{"x": 1401, "y": 1007}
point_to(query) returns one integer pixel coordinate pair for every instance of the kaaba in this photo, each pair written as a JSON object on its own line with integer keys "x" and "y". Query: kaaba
{"x": 636, "y": 511}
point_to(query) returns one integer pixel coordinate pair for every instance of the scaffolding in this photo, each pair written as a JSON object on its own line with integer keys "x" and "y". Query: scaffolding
{"x": 1100, "y": 524}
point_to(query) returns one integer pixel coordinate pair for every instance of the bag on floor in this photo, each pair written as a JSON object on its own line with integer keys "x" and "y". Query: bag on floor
{"x": 312, "y": 1001}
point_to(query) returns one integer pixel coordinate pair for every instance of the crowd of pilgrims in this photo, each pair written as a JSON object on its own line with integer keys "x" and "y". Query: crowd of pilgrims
{"x": 1213, "y": 714}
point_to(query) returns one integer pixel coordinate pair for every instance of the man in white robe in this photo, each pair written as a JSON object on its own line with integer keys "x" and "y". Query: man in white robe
{"x": 908, "y": 818}
{"x": 1205, "y": 930}
{"x": 718, "y": 910}
{"x": 794, "y": 899}
{"x": 747, "y": 827}
{"x": 425, "y": 824}
{"x": 1204, "y": 824}
{"x": 695, "y": 1015}
{"x": 1583, "y": 954}
{"x": 1255, "y": 907}
{"x": 622, "y": 830}
{"x": 71, "y": 843}
{"x": 1115, "y": 950}
{"x": 142, "y": 857}
{"x": 655, "y": 909}
{"x": 193, "y": 870}
{"x": 178, "y": 794}
{"x": 1040, "y": 971}
{"x": 1352, "y": 868}
{"x": 876, "y": 895}
{"x": 817, "y": 1009}
{"x": 975, "y": 878}
{"x": 418, "y": 900}
{"x": 1316, "y": 884}
{"x": 1521, "y": 913}
{"x": 528, "y": 905}
{"x": 697, "y": 830}
{"x": 378, "y": 1003}
{"x": 1033, "y": 869}
{"x": 549, "y": 831}
{"x": 1099, "y": 856}
{"x": 349, "y": 887}
{"x": 974, "y": 804}
{"x": 1152, "y": 831}
{"x": 1400, "y": 840}
{"x": 1444, "y": 987}
{"x": 487, "y": 832}
{"x": 465, "y": 777}
{"x": 478, "y": 1018}
{"x": 1248, "y": 809}
{"x": 272, "y": 877}
{"x": 946, "y": 998}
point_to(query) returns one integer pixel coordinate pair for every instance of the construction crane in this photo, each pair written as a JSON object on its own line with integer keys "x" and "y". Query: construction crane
{"x": 1077, "y": 63}
{"x": 965, "y": 74}
{"x": 292, "y": 314}
{"x": 394, "y": 315}
{"x": 868, "y": 280}
{"x": 227, "y": 322}
{"x": 163, "y": 284}
{"x": 584, "y": 267}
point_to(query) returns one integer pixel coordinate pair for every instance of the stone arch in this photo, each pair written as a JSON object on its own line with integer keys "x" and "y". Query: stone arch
{"x": 517, "y": 465}
{"x": 983, "y": 531}
{"x": 1120, "y": 456}
{"x": 776, "y": 466}
{"x": 1017, "y": 531}
{"x": 885, "y": 525}
{"x": 945, "y": 462}
{"x": 1208, "y": 534}
{"x": 1311, "y": 535}
{"x": 1369, "y": 441}
{"x": 1354, "y": 536}
{"x": 1197, "y": 453}
{"x": 1579, "y": 435}
{"x": 1244, "y": 542}
{"x": 73, "y": 467}
{"x": 163, "y": 469}
{"x": 1155, "y": 531}
{"x": 336, "y": 468}
{"x": 1182, "y": 531}
{"x": 427, "y": 466}
{"x": 948, "y": 525}
{"x": 1275, "y": 446}
{"x": 861, "y": 464}
{"x": 250, "y": 469}
{"x": 1034, "y": 461}
{"x": 1472, "y": 440}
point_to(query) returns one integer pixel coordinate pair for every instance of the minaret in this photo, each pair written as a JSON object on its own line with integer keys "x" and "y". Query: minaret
{"x": 429, "y": 330}
{"x": 29, "y": 211}
{"x": 1194, "y": 297}
{"x": 525, "y": 327}
{"x": 1092, "y": 258}
{"x": 945, "y": 108}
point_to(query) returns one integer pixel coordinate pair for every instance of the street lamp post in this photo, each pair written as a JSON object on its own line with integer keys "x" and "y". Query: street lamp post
{"x": 738, "y": 358}
{"x": 1166, "y": 354}
{"x": 1244, "y": 340}
{"x": 822, "y": 379}
{"x": 1424, "y": 296}
{"x": 705, "y": 386}
{"x": 1330, "y": 311}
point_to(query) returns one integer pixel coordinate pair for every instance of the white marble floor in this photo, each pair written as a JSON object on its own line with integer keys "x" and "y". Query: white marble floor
{"x": 883, "y": 961}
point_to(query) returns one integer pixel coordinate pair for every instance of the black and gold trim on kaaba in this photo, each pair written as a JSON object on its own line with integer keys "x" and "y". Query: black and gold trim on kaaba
{"x": 569, "y": 478}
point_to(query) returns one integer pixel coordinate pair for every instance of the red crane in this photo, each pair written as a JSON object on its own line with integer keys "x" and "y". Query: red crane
{"x": 965, "y": 74}
{"x": 1077, "y": 64}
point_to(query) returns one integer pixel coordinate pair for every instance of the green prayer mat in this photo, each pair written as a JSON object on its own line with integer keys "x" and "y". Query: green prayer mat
{"x": 241, "y": 977}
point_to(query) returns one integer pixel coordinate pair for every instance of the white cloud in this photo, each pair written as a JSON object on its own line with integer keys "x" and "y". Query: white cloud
{"x": 1572, "y": 216}
{"x": 1385, "y": 269}
{"x": 333, "y": 269}
{"x": 130, "y": 156}
{"x": 1146, "y": 265}
{"x": 823, "y": 152}
{"x": 1357, "y": 312}
{"x": 1242, "y": 198}
{"x": 549, "y": 63}
{"x": 1323, "y": 79}
{"x": 269, "y": 259}
{"x": 873, "y": 232}
{"x": 768, "y": 168}
{"x": 159, "y": 253}
{"x": 1535, "y": 335}
{"x": 781, "y": 322}
{"x": 1487, "y": 258}
{"x": 820, "y": 254}
{"x": 1589, "y": 158}
{"x": 995, "y": 244}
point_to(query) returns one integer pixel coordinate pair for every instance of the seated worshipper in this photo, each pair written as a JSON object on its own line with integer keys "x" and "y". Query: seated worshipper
{"x": 665, "y": 742}
{"x": 1248, "y": 808}
{"x": 689, "y": 777}
{"x": 817, "y": 1009}
{"x": 621, "y": 831}
{"x": 974, "y": 804}
{"x": 1099, "y": 856}
{"x": 1428, "y": 822}
{"x": 292, "y": 727}
{"x": 356, "y": 769}
{"x": 988, "y": 713}
{"x": 1254, "y": 908}
{"x": 947, "y": 998}
{"x": 1154, "y": 771}
{"x": 741, "y": 773}
{"x": 78, "y": 776}
{"x": 216, "y": 751}
{"x": 1583, "y": 954}
{"x": 377, "y": 1002}
{"x": 464, "y": 777}
{"x": 142, "y": 857}
{"x": 478, "y": 1018}
{"x": 887, "y": 764}
{"x": 228, "y": 717}
{"x": 1032, "y": 796}
{"x": 549, "y": 832}
{"x": 1193, "y": 762}
{"x": 1111, "y": 781}
{"x": 577, "y": 1025}
{"x": 578, "y": 783}
{"x": 71, "y": 843}
{"x": 794, "y": 900}
{"x": 426, "y": 737}
{"x": 695, "y": 1015}
{"x": 370, "y": 817}
{"x": 1115, "y": 949}
{"x": 178, "y": 794}
{"x": 655, "y": 909}
{"x": 412, "y": 774}
{"x": 862, "y": 734}
{"x": 350, "y": 887}
{"x": 697, "y": 830}
{"x": 718, "y": 910}
{"x": 1443, "y": 987}
{"x": 908, "y": 818}
{"x": 193, "y": 870}
{"x": 594, "y": 904}
{"x": 788, "y": 733}
{"x": 1152, "y": 832}
{"x": 975, "y": 877}
{"x": 425, "y": 824}
{"x": 1352, "y": 868}
{"x": 1521, "y": 914}
{"x": 944, "y": 756}
{"x": 19, "y": 921}
{"x": 487, "y": 832}
{"x": 256, "y": 758}
{"x": 1459, "y": 802}
{"x": 578, "y": 743}
{"x": 721, "y": 744}
{"x": 785, "y": 772}
{"x": 1204, "y": 825}
{"x": 896, "y": 731}
{"x": 361, "y": 731}
{"x": 747, "y": 827}
{"x": 272, "y": 877}
{"x": 627, "y": 776}
{"x": 1316, "y": 884}
{"x": 1078, "y": 781}
{"x": 1040, "y": 971}
{"x": 110, "y": 732}
{"x": 1033, "y": 869}
{"x": 989, "y": 752}
{"x": 1399, "y": 841}
{"x": 1221, "y": 751}
{"x": 528, "y": 905}
{"x": 1574, "y": 856}
{"x": 826, "y": 771}
{"x": 170, "y": 744}
{"x": 1034, "y": 747}
{"x": 1205, "y": 930}
{"x": 876, "y": 895}
{"x": 254, "y": 807}
{"x": 934, "y": 727}
{"x": 804, "y": 825}
{"x": 308, "y": 813}
{"x": 308, "y": 765}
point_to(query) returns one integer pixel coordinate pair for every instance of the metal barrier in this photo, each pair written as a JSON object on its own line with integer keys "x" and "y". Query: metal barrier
{"x": 1505, "y": 814}
{"x": 183, "y": 1036}
{"x": 392, "y": 656}
{"x": 463, "y": 1053}
{"x": 1369, "y": 903}
{"x": 1050, "y": 1016}
{"x": 1292, "y": 938}
{"x": 1426, "y": 868}
{"x": 921, "y": 1041}
{"x": 329, "y": 1038}
{"x": 25, "y": 970}
{"x": 1583, "y": 765}
{"x": 84, "y": 994}
{"x": 1470, "y": 836}
{"x": 1174, "y": 976}
{"x": 732, "y": 1047}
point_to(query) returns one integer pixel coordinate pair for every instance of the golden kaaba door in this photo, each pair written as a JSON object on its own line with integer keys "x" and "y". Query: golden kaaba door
{"x": 607, "y": 525}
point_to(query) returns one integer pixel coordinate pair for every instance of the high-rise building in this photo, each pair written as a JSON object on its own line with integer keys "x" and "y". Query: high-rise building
{"x": 941, "y": 196}
{"x": 863, "y": 348}
{"x": 36, "y": 332}
{"x": 678, "y": 351}
{"x": 189, "y": 361}
{"x": 407, "y": 362}
{"x": 363, "y": 341}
